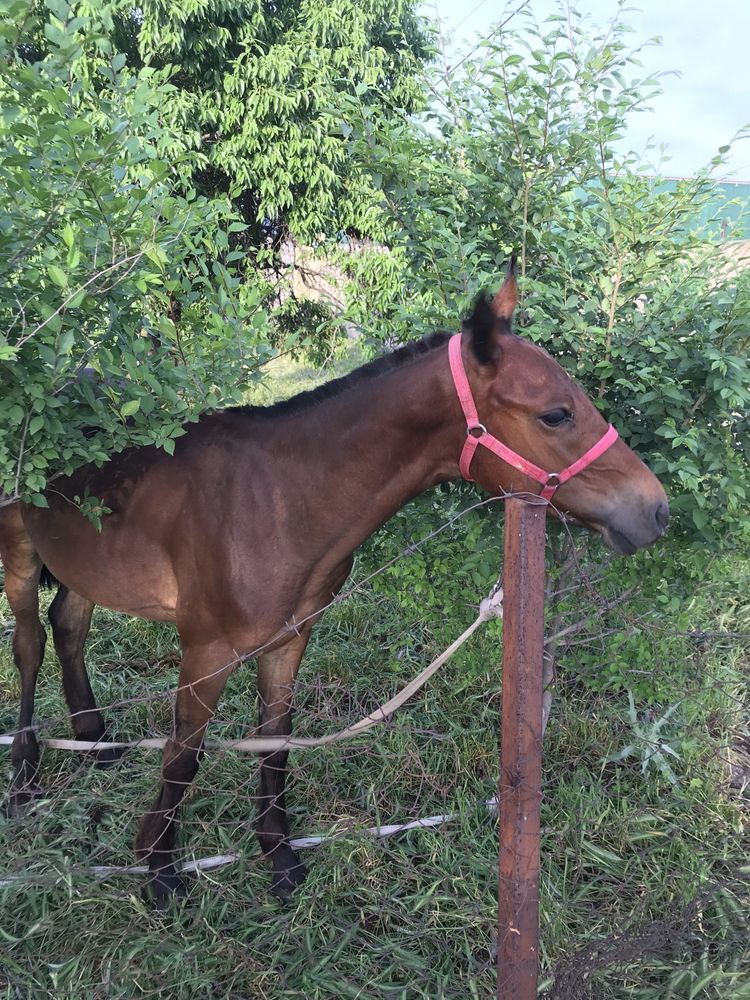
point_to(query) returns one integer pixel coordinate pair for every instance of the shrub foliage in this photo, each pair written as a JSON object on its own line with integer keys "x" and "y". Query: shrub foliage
{"x": 521, "y": 149}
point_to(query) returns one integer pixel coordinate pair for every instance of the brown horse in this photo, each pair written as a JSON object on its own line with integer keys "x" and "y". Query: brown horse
{"x": 244, "y": 534}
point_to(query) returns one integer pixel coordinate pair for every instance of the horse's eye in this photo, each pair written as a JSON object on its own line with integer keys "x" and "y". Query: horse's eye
{"x": 556, "y": 417}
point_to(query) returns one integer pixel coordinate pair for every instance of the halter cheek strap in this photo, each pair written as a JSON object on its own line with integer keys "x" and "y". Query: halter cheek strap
{"x": 477, "y": 433}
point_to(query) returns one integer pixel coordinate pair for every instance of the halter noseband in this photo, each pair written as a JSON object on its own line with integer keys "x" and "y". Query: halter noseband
{"x": 477, "y": 434}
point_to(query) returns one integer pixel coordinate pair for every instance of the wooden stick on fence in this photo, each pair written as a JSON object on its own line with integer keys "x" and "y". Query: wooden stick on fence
{"x": 521, "y": 750}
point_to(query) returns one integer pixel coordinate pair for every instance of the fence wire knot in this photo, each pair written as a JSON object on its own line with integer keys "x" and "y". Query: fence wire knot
{"x": 492, "y": 606}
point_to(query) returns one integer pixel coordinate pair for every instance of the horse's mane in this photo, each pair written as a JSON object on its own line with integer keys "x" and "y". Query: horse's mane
{"x": 365, "y": 373}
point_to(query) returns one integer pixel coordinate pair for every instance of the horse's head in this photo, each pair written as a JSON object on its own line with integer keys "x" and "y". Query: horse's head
{"x": 530, "y": 405}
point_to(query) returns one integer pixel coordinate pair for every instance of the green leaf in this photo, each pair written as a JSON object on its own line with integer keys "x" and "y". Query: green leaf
{"x": 131, "y": 407}
{"x": 39, "y": 500}
{"x": 66, "y": 342}
{"x": 57, "y": 275}
{"x": 700, "y": 518}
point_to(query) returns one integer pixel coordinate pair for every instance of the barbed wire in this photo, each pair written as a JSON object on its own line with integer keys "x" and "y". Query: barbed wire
{"x": 255, "y": 745}
{"x": 491, "y": 607}
{"x": 293, "y": 627}
{"x": 327, "y": 702}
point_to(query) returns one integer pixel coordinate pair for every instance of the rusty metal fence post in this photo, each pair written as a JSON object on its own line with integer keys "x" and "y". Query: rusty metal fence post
{"x": 521, "y": 750}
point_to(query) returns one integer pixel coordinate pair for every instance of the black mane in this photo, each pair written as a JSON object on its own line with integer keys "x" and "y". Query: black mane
{"x": 371, "y": 370}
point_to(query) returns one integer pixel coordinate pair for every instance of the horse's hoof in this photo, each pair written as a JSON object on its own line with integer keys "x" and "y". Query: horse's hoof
{"x": 20, "y": 800}
{"x": 163, "y": 889}
{"x": 286, "y": 880}
{"x": 109, "y": 757}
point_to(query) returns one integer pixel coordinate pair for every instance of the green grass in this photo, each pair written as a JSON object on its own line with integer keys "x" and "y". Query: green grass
{"x": 625, "y": 855}
{"x": 286, "y": 375}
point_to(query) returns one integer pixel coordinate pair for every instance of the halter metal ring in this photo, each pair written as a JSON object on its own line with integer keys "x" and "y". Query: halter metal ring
{"x": 553, "y": 479}
{"x": 476, "y": 427}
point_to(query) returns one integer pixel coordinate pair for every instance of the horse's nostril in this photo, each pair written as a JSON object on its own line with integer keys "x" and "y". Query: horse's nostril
{"x": 662, "y": 514}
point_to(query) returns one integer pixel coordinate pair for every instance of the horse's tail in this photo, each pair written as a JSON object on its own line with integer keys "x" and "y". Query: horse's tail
{"x": 47, "y": 580}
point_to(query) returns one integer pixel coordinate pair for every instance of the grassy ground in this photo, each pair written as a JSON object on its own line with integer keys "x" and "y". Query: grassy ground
{"x": 640, "y": 877}
{"x": 644, "y": 876}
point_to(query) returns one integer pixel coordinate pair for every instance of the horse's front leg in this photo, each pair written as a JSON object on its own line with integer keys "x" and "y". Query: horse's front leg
{"x": 203, "y": 674}
{"x": 277, "y": 671}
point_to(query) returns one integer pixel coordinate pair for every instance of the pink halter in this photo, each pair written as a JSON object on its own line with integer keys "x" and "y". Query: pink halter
{"x": 477, "y": 434}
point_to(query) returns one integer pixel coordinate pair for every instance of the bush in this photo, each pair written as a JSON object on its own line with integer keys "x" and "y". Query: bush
{"x": 520, "y": 150}
{"x": 120, "y": 316}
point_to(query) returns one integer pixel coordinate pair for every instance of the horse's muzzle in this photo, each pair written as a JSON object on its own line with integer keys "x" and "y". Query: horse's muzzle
{"x": 627, "y": 535}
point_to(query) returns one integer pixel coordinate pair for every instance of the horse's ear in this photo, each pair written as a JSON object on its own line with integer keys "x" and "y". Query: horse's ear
{"x": 491, "y": 319}
{"x": 483, "y": 330}
{"x": 506, "y": 299}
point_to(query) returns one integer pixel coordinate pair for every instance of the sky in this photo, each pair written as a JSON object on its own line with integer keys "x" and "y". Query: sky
{"x": 704, "y": 54}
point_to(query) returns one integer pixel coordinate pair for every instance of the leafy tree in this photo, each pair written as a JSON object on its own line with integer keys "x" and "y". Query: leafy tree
{"x": 99, "y": 254}
{"x": 263, "y": 92}
{"x": 132, "y": 136}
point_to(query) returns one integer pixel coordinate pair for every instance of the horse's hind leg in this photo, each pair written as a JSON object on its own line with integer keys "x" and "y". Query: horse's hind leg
{"x": 203, "y": 675}
{"x": 277, "y": 671}
{"x": 70, "y": 617}
{"x": 22, "y": 567}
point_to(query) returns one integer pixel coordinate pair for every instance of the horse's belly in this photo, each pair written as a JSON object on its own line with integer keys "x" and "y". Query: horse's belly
{"x": 118, "y": 569}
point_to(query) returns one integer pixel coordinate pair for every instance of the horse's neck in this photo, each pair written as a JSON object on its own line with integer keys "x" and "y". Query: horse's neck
{"x": 384, "y": 442}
